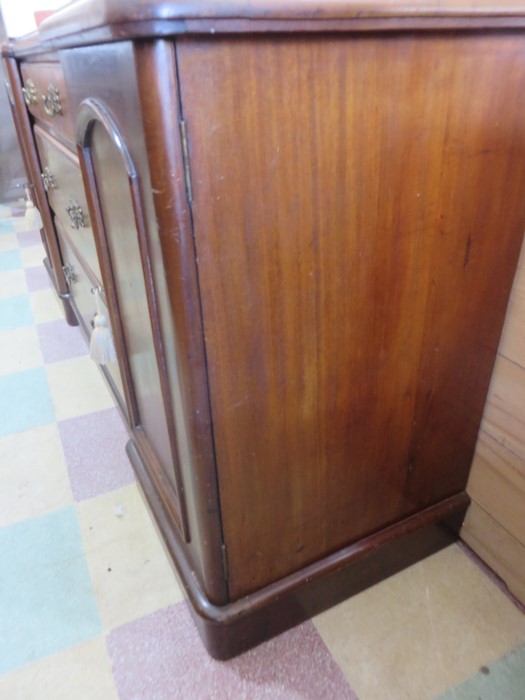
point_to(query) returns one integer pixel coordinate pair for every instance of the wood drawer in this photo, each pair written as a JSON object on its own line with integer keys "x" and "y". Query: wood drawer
{"x": 81, "y": 282}
{"x": 46, "y": 98}
{"x": 66, "y": 194}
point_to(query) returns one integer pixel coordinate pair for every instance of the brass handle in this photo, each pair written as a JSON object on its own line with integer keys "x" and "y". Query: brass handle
{"x": 69, "y": 274}
{"x": 51, "y": 101}
{"x": 76, "y": 215}
{"x": 48, "y": 179}
{"x": 29, "y": 92}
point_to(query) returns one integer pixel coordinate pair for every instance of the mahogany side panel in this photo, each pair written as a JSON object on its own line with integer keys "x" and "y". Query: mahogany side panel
{"x": 354, "y": 265}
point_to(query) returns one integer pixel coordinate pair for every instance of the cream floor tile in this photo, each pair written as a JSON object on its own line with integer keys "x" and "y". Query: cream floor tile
{"x": 19, "y": 223}
{"x": 8, "y": 241}
{"x": 32, "y": 256}
{"x": 12, "y": 282}
{"x": 415, "y": 635}
{"x": 46, "y": 306}
{"x": 19, "y": 350}
{"x": 130, "y": 571}
{"x": 77, "y": 388}
{"x": 82, "y": 672}
{"x": 33, "y": 475}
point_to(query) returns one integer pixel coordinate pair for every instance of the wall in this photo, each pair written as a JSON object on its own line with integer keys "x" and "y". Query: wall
{"x": 11, "y": 167}
{"x": 495, "y": 523}
{"x": 19, "y": 14}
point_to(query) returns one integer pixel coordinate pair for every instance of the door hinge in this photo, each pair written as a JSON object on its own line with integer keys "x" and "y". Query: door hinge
{"x": 186, "y": 158}
{"x": 224, "y": 554}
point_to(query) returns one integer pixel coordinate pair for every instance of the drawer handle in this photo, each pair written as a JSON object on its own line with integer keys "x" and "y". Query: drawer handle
{"x": 48, "y": 179}
{"x": 76, "y": 215}
{"x": 69, "y": 274}
{"x": 51, "y": 101}
{"x": 29, "y": 92}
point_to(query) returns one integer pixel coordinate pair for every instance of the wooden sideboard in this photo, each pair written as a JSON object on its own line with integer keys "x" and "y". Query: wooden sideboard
{"x": 304, "y": 221}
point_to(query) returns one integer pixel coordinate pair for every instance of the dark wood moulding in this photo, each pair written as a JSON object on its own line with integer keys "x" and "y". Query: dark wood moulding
{"x": 100, "y": 21}
{"x": 228, "y": 630}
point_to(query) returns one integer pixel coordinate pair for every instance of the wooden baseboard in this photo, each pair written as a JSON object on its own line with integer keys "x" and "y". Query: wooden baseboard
{"x": 230, "y": 629}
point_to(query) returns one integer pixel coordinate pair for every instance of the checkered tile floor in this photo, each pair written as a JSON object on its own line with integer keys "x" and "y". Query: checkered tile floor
{"x": 90, "y": 607}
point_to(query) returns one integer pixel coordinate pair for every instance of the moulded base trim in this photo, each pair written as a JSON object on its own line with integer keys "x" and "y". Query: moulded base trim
{"x": 228, "y": 630}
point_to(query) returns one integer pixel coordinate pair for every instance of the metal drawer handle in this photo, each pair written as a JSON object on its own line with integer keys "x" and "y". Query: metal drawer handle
{"x": 29, "y": 91}
{"x": 48, "y": 179}
{"x": 76, "y": 215}
{"x": 69, "y": 274}
{"x": 51, "y": 101}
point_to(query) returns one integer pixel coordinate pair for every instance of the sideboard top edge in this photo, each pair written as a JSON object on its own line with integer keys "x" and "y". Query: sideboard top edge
{"x": 85, "y": 15}
{"x": 87, "y": 22}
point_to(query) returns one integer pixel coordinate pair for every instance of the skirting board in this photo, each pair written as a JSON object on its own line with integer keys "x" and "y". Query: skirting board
{"x": 231, "y": 629}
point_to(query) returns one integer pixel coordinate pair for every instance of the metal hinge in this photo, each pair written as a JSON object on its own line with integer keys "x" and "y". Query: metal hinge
{"x": 186, "y": 158}
{"x": 224, "y": 554}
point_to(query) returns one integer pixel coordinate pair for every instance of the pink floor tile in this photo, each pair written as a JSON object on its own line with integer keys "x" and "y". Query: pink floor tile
{"x": 29, "y": 238}
{"x": 58, "y": 341}
{"x": 160, "y": 657}
{"x": 94, "y": 447}
{"x": 37, "y": 278}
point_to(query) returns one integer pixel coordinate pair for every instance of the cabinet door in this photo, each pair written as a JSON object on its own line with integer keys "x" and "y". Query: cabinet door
{"x": 358, "y": 207}
{"x": 115, "y": 202}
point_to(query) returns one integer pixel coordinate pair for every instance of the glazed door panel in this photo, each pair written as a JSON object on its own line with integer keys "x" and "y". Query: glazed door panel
{"x": 116, "y": 205}
{"x": 81, "y": 284}
{"x": 353, "y": 288}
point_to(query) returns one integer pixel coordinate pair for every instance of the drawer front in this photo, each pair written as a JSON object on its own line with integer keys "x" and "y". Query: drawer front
{"x": 45, "y": 96}
{"x": 80, "y": 285}
{"x": 66, "y": 194}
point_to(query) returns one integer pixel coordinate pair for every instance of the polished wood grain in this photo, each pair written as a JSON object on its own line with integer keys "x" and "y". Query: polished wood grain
{"x": 230, "y": 629}
{"x": 93, "y": 14}
{"x": 307, "y": 339}
{"x": 348, "y": 239}
{"x": 159, "y": 95}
